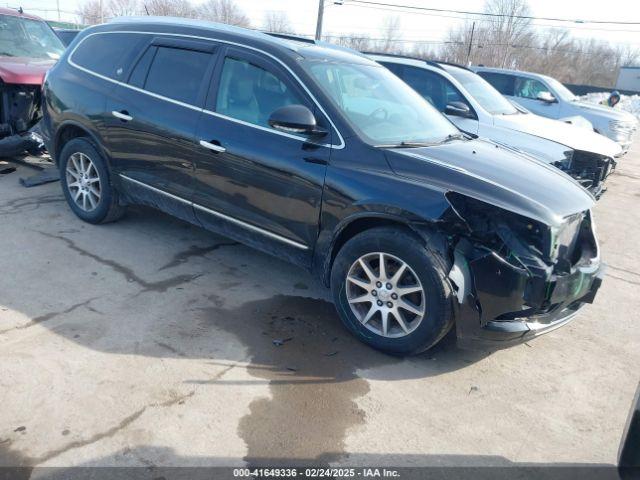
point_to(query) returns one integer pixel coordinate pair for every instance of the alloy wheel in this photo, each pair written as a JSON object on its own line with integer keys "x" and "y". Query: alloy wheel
{"x": 83, "y": 181}
{"x": 385, "y": 295}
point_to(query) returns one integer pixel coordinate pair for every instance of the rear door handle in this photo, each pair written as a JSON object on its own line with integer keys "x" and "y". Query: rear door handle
{"x": 123, "y": 115}
{"x": 212, "y": 146}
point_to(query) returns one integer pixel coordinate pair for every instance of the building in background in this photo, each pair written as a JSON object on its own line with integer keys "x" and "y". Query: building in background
{"x": 629, "y": 79}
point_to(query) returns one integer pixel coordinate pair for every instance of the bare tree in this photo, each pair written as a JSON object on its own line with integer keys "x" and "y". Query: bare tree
{"x": 456, "y": 47}
{"x": 170, "y": 8}
{"x": 123, "y": 8}
{"x": 391, "y": 35}
{"x": 426, "y": 51}
{"x": 89, "y": 12}
{"x": 508, "y": 28}
{"x": 224, "y": 11}
{"x": 277, "y": 21}
{"x": 495, "y": 39}
{"x": 361, "y": 43}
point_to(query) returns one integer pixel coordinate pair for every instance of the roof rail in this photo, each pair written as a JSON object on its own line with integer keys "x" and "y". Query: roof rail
{"x": 431, "y": 63}
{"x": 395, "y": 55}
{"x": 289, "y": 36}
{"x": 457, "y": 65}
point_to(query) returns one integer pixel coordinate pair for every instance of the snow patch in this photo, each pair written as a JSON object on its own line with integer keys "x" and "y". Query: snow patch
{"x": 628, "y": 103}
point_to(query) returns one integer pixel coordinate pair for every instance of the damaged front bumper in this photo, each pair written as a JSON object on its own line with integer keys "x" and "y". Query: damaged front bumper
{"x": 20, "y": 113}
{"x": 496, "y": 313}
{"x": 502, "y": 303}
{"x": 15, "y": 145}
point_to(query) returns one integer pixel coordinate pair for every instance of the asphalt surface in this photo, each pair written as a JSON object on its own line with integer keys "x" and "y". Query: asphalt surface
{"x": 150, "y": 342}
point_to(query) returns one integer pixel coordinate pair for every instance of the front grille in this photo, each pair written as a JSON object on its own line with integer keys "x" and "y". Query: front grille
{"x": 624, "y": 128}
{"x": 590, "y": 169}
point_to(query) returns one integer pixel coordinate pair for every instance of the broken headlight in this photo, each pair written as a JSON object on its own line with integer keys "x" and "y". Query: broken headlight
{"x": 499, "y": 229}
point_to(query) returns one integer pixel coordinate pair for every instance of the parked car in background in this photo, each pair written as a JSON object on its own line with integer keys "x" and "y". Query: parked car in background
{"x": 321, "y": 156}
{"x": 28, "y": 48}
{"x": 548, "y": 97}
{"x": 66, "y": 35}
{"x": 479, "y": 109}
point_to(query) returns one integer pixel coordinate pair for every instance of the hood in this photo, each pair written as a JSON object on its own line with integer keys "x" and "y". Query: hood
{"x": 578, "y": 121}
{"x": 24, "y": 71}
{"x": 493, "y": 174}
{"x": 572, "y": 136}
{"x": 603, "y": 110}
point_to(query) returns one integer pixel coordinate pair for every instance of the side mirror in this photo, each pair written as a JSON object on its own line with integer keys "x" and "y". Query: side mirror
{"x": 458, "y": 109}
{"x": 546, "y": 97}
{"x": 295, "y": 119}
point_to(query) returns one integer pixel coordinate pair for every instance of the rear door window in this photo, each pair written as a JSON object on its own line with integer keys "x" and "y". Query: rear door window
{"x": 500, "y": 81}
{"x": 394, "y": 67}
{"x": 178, "y": 74}
{"x": 106, "y": 53}
{"x": 139, "y": 74}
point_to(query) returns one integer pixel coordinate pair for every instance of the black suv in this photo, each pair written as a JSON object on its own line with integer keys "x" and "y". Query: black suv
{"x": 323, "y": 157}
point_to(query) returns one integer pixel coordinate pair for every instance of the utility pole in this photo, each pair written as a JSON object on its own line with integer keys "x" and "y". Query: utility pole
{"x": 101, "y": 14}
{"x": 58, "y": 8}
{"x": 320, "y": 15}
{"x": 473, "y": 28}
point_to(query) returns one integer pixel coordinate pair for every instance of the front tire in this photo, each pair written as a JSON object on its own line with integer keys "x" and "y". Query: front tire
{"x": 86, "y": 183}
{"x": 391, "y": 292}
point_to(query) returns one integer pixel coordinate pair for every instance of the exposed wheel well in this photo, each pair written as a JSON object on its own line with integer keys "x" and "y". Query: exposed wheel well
{"x": 66, "y": 134}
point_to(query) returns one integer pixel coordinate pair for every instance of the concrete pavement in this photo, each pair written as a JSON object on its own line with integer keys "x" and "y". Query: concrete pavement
{"x": 150, "y": 342}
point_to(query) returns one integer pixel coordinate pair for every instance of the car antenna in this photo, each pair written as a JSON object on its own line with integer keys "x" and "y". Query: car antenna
{"x": 20, "y": 10}
{"x": 146, "y": 9}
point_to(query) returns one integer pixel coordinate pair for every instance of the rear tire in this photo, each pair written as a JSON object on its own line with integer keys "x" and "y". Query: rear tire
{"x": 411, "y": 291}
{"x": 86, "y": 183}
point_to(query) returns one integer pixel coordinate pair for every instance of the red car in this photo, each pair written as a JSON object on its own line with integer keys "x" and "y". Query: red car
{"x": 28, "y": 48}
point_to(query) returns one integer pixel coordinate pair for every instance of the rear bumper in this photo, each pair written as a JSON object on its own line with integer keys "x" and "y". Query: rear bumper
{"x": 497, "y": 311}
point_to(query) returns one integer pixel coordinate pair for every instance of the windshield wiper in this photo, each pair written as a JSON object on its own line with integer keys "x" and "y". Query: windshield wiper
{"x": 453, "y": 136}
{"x": 448, "y": 138}
{"x": 407, "y": 145}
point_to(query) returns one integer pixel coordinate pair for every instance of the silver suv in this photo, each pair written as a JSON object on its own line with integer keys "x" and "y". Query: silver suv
{"x": 478, "y": 109}
{"x": 548, "y": 97}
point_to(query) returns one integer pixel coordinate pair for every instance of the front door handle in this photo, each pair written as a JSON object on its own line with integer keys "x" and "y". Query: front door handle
{"x": 122, "y": 115}
{"x": 212, "y": 146}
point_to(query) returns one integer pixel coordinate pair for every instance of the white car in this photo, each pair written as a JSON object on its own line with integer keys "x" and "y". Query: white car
{"x": 477, "y": 108}
{"x": 546, "y": 96}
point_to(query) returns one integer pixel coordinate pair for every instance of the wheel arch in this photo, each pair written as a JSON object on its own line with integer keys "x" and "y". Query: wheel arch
{"x": 424, "y": 231}
{"x": 71, "y": 129}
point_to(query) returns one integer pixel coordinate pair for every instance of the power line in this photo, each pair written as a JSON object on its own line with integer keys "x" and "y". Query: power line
{"x": 493, "y": 20}
{"x": 486, "y": 14}
{"x": 456, "y": 42}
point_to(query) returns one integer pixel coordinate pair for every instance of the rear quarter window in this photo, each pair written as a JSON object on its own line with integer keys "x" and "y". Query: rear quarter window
{"x": 106, "y": 53}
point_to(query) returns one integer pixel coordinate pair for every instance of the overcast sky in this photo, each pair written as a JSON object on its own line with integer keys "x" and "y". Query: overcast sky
{"x": 347, "y": 19}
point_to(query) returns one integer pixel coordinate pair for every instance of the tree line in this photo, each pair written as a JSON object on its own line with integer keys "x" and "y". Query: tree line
{"x": 506, "y": 39}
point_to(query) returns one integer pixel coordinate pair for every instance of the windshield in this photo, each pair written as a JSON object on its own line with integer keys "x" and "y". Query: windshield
{"x": 22, "y": 37}
{"x": 380, "y": 106}
{"x": 488, "y": 97}
{"x": 559, "y": 90}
